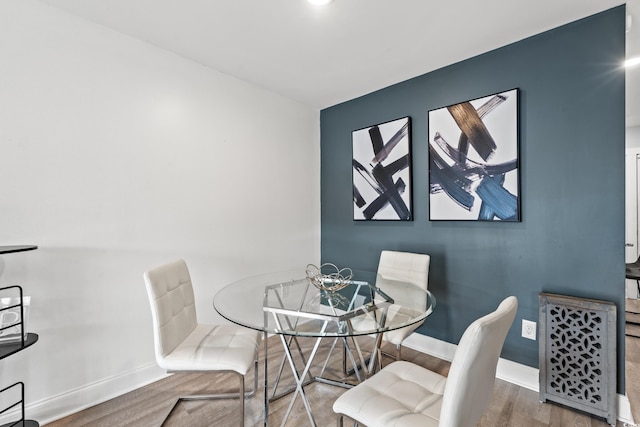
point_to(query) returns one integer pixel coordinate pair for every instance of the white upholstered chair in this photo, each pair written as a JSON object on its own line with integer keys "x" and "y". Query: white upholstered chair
{"x": 184, "y": 345}
{"x": 408, "y": 267}
{"x": 404, "y": 394}
{"x": 396, "y": 267}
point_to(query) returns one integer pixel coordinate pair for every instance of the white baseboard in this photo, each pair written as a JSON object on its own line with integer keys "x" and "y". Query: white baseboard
{"x": 56, "y": 407}
{"x": 624, "y": 410}
{"x": 515, "y": 373}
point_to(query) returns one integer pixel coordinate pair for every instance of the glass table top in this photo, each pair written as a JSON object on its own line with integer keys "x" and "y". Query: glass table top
{"x": 291, "y": 304}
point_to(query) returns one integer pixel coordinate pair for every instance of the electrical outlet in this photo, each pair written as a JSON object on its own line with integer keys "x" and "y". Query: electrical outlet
{"x": 528, "y": 329}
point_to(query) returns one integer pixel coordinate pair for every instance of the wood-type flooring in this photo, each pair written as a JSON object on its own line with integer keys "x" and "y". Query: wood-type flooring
{"x": 632, "y": 355}
{"x": 511, "y": 405}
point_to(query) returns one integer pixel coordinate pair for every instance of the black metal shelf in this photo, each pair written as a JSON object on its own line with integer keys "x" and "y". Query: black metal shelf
{"x": 7, "y": 349}
{"x": 25, "y": 423}
{"x": 16, "y": 248}
{"x": 18, "y": 403}
{"x": 23, "y": 340}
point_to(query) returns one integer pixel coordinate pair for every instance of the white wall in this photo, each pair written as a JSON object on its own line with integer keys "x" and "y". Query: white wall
{"x": 115, "y": 157}
{"x": 632, "y": 144}
{"x": 632, "y": 137}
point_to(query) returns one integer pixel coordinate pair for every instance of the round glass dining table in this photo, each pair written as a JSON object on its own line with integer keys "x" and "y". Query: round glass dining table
{"x": 292, "y": 304}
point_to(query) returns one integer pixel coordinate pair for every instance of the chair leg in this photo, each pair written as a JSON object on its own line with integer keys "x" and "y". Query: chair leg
{"x": 241, "y": 395}
{"x": 255, "y": 378}
{"x": 341, "y": 421}
{"x": 170, "y": 411}
{"x": 241, "y": 399}
{"x": 344, "y": 361}
{"x": 398, "y": 355}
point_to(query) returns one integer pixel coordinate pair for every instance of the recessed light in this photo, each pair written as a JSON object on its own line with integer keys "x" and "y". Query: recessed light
{"x": 632, "y": 61}
{"x": 320, "y": 2}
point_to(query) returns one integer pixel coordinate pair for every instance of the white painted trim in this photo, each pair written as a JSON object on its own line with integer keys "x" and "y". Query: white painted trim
{"x": 72, "y": 401}
{"x": 515, "y": 373}
{"x": 624, "y": 410}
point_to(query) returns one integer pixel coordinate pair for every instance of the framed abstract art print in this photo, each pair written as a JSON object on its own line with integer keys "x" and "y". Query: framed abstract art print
{"x": 474, "y": 160}
{"x": 381, "y": 168}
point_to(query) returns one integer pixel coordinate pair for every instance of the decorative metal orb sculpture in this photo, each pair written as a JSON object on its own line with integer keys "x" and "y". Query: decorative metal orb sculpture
{"x": 328, "y": 277}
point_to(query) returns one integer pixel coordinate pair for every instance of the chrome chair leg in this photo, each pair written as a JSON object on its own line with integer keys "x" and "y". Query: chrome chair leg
{"x": 241, "y": 398}
{"x": 241, "y": 395}
{"x": 341, "y": 421}
{"x": 398, "y": 355}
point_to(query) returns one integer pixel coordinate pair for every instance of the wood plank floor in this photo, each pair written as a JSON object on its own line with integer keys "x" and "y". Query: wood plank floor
{"x": 511, "y": 406}
{"x": 632, "y": 355}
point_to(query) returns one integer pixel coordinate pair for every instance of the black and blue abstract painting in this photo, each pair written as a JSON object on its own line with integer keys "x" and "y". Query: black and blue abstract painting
{"x": 473, "y": 160}
{"x": 382, "y": 171}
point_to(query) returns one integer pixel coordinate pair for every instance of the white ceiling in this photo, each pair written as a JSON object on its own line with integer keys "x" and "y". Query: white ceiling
{"x": 324, "y": 56}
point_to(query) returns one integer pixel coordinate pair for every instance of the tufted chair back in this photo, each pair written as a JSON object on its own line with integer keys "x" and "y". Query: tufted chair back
{"x": 473, "y": 370}
{"x": 172, "y": 306}
{"x": 405, "y": 266}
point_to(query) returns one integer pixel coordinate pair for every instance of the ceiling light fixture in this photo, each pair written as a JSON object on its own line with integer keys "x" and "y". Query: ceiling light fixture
{"x": 320, "y": 2}
{"x": 632, "y": 61}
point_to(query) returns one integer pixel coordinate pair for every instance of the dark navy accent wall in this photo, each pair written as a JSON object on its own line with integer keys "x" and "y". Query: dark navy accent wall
{"x": 571, "y": 237}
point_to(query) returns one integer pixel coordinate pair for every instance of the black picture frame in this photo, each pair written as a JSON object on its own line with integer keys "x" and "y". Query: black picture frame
{"x": 381, "y": 171}
{"x": 474, "y": 160}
